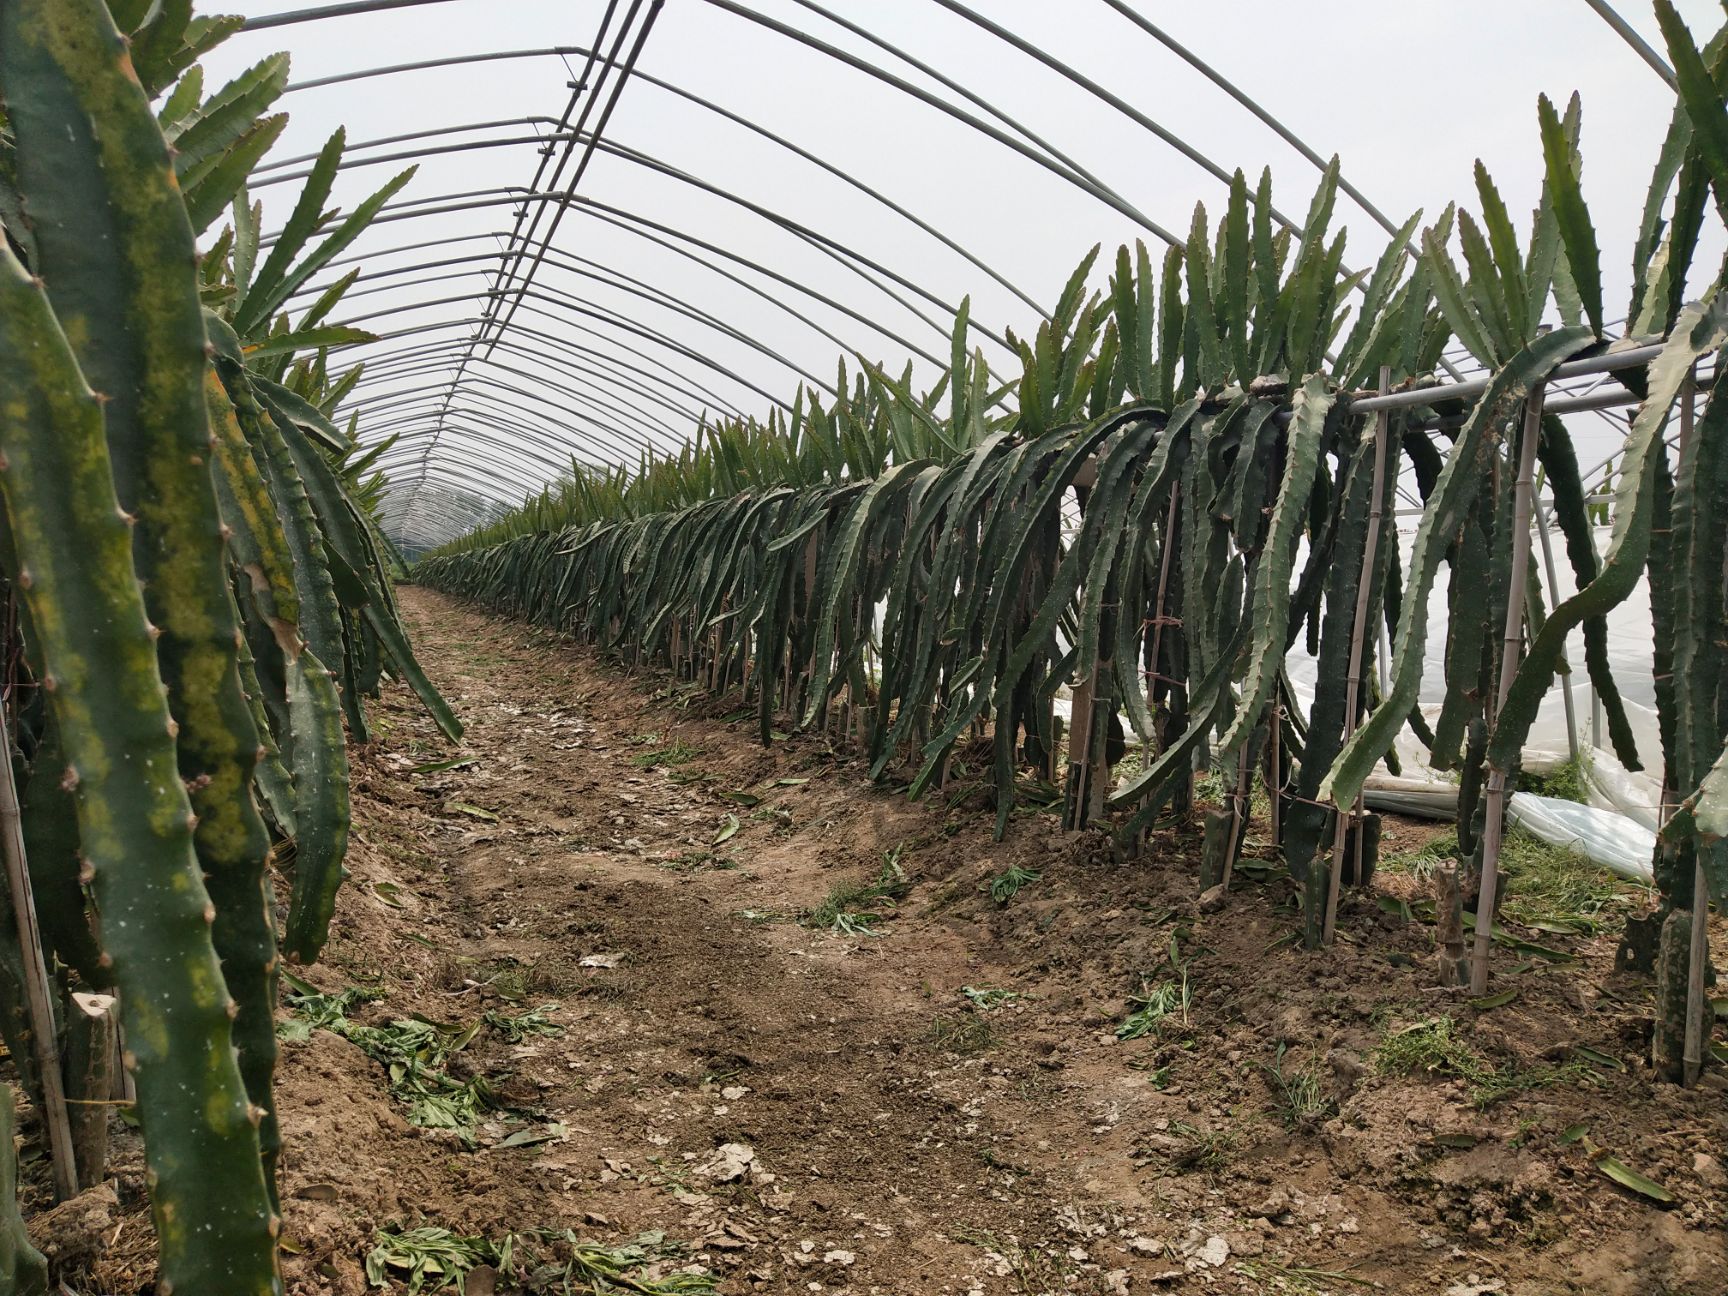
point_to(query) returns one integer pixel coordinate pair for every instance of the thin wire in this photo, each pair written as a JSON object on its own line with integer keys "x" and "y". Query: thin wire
{"x": 348, "y": 10}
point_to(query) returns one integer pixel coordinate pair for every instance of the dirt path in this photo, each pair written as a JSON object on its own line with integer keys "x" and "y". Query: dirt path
{"x": 933, "y": 1098}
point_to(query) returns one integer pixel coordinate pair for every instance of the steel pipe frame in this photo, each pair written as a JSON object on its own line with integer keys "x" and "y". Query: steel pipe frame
{"x": 1606, "y": 362}
{"x": 405, "y": 155}
{"x": 516, "y": 286}
{"x": 625, "y": 433}
{"x": 947, "y": 3}
{"x": 481, "y": 453}
{"x": 624, "y": 283}
{"x": 577, "y": 88}
{"x": 460, "y": 128}
{"x": 1056, "y": 162}
{"x": 483, "y": 471}
{"x": 551, "y": 462}
{"x": 424, "y": 363}
{"x": 1099, "y": 92}
{"x": 459, "y": 477}
{"x": 725, "y": 329}
{"x": 386, "y": 400}
{"x": 694, "y": 391}
{"x": 398, "y": 211}
{"x": 736, "y": 118}
{"x": 387, "y": 366}
{"x": 405, "y": 401}
{"x": 807, "y": 39}
{"x": 836, "y": 250}
{"x": 484, "y": 448}
{"x": 494, "y": 56}
{"x": 594, "y": 313}
{"x": 705, "y": 263}
{"x": 344, "y": 10}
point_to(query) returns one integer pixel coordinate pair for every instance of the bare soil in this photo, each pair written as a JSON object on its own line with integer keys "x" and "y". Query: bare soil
{"x": 813, "y": 1110}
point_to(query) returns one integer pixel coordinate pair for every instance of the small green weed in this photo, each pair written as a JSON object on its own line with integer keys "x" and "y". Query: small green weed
{"x": 430, "y": 1259}
{"x": 986, "y": 999}
{"x": 515, "y": 1029}
{"x": 1433, "y": 1047}
{"x": 675, "y": 753}
{"x": 1006, "y": 884}
{"x": 1297, "y": 1095}
{"x": 1034, "y": 1272}
{"x": 966, "y": 1034}
{"x": 414, "y": 1053}
{"x": 1549, "y": 888}
{"x": 1201, "y": 1149}
{"x": 1169, "y": 994}
{"x": 1567, "y": 781}
{"x": 853, "y": 907}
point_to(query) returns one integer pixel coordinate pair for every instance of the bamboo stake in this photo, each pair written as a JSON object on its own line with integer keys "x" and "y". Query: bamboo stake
{"x": 37, "y": 987}
{"x": 1158, "y": 612}
{"x": 1239, "y": 802}
{"x": 1554, "y": 601}
{"x": 1358, "y": 633}
{"x": 1274, "y": 777}
{"x": 1511, "y": 648}
{"x": 1698, "y": 956}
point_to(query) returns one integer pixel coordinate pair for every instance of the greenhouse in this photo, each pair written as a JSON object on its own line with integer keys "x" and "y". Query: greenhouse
{"x": 915, "y": 648}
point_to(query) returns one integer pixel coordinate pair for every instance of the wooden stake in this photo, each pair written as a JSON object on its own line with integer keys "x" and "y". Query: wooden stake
{"x": 1698, "y": 956}
{"x": 92, "y": 1039}
{"x": 1511, "y": 649}
{"x": 38, "y": 989}
{"x": 1170, "y": 516}
{"x": 1554, "y": 601}
{"x": 1358, "y": 634}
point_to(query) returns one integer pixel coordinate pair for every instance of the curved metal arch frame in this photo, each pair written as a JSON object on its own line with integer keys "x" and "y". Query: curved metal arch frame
{"x": 388, "y": 368}
{"x": 628, "y": 435}
{"x": 505, "y": 195}
{"x": 662, "y": 375}
{"x": 428, "y": 363}
{"x": 591, "y": 312}
{"x": 624, "y": 283}
{"x": 483, "y": 431}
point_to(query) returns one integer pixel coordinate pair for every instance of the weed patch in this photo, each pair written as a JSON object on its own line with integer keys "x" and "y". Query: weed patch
{"x": 1162, "y": 995}
{"x": 1006, "y": 884}
{"x": 1297, "y": 1095}
{"x": 415, "y": 1053}
{"x": 853, "y": 908}
{"x": 431, "y": 1259}
{"x": 1433, "y": 1047}
{"x": 670, "y": 756}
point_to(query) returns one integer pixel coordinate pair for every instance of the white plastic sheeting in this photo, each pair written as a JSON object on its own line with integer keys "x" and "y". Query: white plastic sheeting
{"x": 1617, "y": 828}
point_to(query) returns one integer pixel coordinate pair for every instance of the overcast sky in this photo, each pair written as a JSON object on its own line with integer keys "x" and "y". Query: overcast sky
{"x": 1408, "y": 94}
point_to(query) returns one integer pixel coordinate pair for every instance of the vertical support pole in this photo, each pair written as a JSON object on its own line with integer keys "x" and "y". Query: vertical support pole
{"x": 1511, "y": 649}
{"x": 1698, "y": 955}
{"x": 1079, "y": 753}
{"x": 1239, "y": 803}
{"x": 37, "y": 987}
{"x": 1358, "y": 635}
{"x": 1158, "y": 614}
{"x": 1554, "y": 601}
{"x": 92, "y": 1037}
{"x": 1274, "y": 775}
